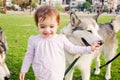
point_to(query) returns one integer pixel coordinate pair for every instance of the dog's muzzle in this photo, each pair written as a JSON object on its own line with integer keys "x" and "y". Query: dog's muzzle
{"x": 100, "y": 42}
{"x": 87, "y": 44}
{"x": 7, "y": 77}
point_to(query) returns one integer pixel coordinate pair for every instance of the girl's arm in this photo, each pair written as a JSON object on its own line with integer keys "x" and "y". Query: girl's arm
{"x": 21, "y": 76}
{"x": 78, "y": 49}
{"x": 28, "y": 56}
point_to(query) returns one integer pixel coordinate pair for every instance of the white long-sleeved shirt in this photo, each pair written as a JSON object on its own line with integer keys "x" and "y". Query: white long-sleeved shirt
{"x": 47, "y": 56}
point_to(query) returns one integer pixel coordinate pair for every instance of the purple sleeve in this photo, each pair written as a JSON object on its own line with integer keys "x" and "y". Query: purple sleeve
{"x": 28, "y": 56}
{"x": 68, "y": 46}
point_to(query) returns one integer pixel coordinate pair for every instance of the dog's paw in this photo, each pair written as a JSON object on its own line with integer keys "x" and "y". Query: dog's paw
{"x": 108, "y": 77}
{"x": 7, "y": 77}
{"x": 97, "y": 71}
{"x": 79, "y": 79}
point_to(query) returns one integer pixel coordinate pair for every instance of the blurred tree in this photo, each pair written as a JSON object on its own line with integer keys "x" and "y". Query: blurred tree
{"x": 18, "y": 2}
{"x": 30, "y": 2}
{"x": 80, "y": 7}
{"x": 1, "y": 3}
{"x": 39, "y": 1}
{"x": 21, "y": 1}
{"x": 86, "y": 5}
{"x": 105, "y": 9}
{"x": 4, "y": 5}
{"x": 50, "y": 2}
{"x": 24, "y": 5}
{"x": 90, "y": 1}
{"x": 118, "y": 7}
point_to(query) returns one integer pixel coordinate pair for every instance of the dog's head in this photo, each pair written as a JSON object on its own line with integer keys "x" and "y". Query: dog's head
{"x": 2, "y": 35}
{"x": 2, "y": 52}
{"x": 116, "y": 23}
{"x": 84, "y": 30}
{"x": 2, "y": 46}
{"x": 4, "y": 75}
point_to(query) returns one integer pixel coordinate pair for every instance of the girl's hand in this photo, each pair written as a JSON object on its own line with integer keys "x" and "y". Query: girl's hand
{"x": 95, "y": 46}
{"x": 21, "y": 76}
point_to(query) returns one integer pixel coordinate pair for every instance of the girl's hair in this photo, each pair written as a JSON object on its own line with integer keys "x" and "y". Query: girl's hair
{"x": 46, "y": 11}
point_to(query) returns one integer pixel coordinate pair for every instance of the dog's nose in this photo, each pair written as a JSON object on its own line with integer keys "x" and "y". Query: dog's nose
{"x": 7, "y": 77}
{"x": 100, "y": 42}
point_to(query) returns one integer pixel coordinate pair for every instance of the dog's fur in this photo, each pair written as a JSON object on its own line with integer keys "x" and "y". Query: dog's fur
{"x": 4, "y": 72}
{"x": 108, "y": 33}
{"x": 88, "y": 29}
{"x": 81, "y": 31}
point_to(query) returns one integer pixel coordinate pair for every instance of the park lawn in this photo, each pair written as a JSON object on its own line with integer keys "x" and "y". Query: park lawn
{"x": 19, "y": 27}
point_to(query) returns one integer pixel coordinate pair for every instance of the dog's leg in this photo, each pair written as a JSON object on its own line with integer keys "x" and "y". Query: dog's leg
{"x": 109, "y": 54}
{"x": 97, "y": 69}
{"x": 2, "y": 73}
{"x": 84, "y": 65}
{"x": 85, "y": 73}
{"x": 108, "y": 68}
{"x": 69, "y": 75}
{"x": 109, "y": 51}
{"x": 7, "y": 70}
{"x": 108, "y": 73}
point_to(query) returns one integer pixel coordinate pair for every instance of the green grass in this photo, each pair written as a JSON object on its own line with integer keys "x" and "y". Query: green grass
{"x": 18, "y": 28}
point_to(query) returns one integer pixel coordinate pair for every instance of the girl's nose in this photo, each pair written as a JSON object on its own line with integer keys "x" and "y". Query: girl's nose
{"x": 47, "y": 29}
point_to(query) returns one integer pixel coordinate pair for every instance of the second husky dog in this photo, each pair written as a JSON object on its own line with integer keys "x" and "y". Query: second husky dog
{"x": 108, "y": 33}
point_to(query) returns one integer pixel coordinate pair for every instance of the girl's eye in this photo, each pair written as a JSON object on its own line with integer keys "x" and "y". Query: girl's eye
{"x": 51, "y": 26}
{"x": 42, "y": 26}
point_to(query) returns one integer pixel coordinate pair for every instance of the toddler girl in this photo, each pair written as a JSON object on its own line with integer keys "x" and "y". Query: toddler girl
{"x": 46, "y": 50}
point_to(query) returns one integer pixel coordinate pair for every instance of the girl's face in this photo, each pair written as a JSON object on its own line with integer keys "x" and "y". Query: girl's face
{"x": 48, "y": 27}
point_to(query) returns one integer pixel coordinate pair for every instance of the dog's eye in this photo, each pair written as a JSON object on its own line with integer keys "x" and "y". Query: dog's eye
{"x": 89, "y": 31}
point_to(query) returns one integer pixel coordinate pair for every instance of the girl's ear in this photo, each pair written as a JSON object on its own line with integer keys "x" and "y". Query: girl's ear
{"x": 37, "y": 25}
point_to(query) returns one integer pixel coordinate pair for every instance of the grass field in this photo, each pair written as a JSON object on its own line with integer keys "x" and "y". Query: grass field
{"x": 19, "y": 27}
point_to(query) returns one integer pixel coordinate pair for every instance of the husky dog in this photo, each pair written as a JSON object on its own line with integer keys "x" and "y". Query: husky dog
{"x": 4, "y": 72}
{"x": 81, "y": 31}
{"x": 108, "y": 33}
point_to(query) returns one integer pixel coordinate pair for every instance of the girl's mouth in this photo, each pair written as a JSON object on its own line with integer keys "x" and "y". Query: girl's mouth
{"x": 47, "y": 34}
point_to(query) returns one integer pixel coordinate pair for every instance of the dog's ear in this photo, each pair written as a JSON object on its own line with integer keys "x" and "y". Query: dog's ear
{"x": 116, "y": 23}
{"x": 74, "y": 20}
{"x": 95, "y": 18}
